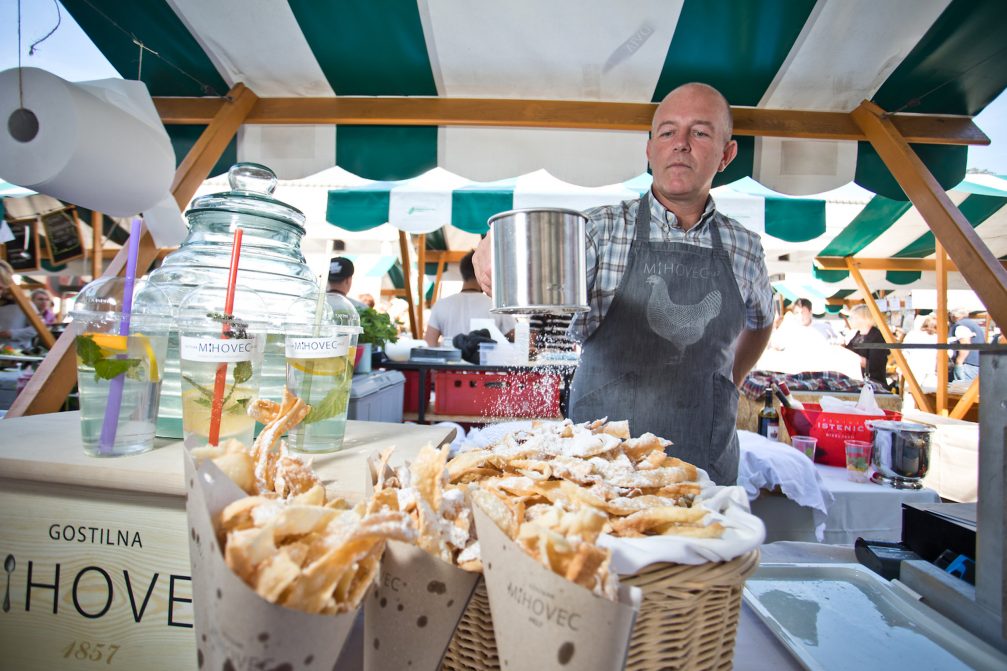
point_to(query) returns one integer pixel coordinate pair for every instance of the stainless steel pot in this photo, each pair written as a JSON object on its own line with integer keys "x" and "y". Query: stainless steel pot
{"x": 901, "y": 453}
{"x": 538, "y": 262}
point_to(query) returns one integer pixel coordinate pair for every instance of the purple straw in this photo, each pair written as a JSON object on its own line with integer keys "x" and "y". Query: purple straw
{"x": 108, "y": 428}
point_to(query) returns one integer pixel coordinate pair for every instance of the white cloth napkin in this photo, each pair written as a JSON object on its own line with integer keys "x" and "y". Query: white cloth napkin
{"x": 766, "y": 464}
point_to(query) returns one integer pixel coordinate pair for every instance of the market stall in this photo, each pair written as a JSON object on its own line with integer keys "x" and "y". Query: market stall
{"x": 562, "y": 106}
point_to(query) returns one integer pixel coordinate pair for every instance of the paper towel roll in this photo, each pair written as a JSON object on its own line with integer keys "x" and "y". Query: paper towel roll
{"x": 98, "y": 144}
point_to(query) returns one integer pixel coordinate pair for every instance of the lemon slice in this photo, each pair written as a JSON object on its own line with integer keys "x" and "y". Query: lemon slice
{"x": 110, "y": 343}
{"x": 333, "y": 366}
{"x": 149, "y": 352}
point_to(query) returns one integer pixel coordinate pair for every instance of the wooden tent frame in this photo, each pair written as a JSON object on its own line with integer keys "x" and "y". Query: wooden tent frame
{"x": 889, "y": 134}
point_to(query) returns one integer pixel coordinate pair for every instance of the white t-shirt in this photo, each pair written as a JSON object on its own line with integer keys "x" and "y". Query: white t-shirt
{"x": 452, "y": 315}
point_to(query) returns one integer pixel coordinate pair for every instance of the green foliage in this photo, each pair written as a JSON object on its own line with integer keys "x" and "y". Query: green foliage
{"x": 333, "y": 404}
{"x": 105, "y": 368}
{"x": 377, "y": 328}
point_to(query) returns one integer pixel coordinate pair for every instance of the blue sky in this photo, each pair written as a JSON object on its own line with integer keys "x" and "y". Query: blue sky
{"x": 71, "y": 55}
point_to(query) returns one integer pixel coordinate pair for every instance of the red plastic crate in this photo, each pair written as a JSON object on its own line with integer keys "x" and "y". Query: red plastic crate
{"x": 490, "y": 394}
{"x": 409, "y": 403}
{"x": 832, "y": 429}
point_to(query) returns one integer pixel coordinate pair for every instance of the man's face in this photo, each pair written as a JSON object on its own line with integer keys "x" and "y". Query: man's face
{"x": 40, "y": 301}
{"x": 689, "y": 144}
{"x": 805, "y": 315}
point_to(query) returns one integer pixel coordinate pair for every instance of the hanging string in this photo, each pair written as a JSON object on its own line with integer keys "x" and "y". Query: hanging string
{"x": 20, "y": 83}
{"x": 59, "y": 19}
{"x": 915, "y": 102}
{"x": 143, "y": 47}
{"x": 204, "y": 87}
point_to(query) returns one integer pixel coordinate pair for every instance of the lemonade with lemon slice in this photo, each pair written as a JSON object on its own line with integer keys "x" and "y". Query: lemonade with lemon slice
{"x": 320, "y": 371}
{"x": 102, "y": 357}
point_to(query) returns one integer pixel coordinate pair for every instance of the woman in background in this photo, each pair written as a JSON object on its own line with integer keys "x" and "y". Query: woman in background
{"x": 43, "y": 303}
{"x": 872, "y": 361}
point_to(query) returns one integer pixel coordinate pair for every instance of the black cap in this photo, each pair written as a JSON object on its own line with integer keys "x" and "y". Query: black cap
{"x": 340, "y": 268}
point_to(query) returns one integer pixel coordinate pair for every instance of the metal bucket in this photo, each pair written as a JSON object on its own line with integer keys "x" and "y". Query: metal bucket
{"x": 538, "y": 262}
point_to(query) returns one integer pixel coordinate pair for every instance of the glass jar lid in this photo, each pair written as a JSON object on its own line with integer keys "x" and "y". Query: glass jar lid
{"x": 252, "y": 185}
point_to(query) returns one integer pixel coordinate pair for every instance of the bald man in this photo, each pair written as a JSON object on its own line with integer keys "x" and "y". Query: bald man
{"x": 680, "y": 302}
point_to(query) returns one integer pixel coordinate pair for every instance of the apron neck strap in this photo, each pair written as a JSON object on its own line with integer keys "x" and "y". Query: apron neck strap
{"x": 643, "y": 223}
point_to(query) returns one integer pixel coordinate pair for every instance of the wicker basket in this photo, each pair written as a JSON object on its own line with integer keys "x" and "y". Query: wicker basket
{"x": 688, "y": 619}
{"x": 473, "y": 646}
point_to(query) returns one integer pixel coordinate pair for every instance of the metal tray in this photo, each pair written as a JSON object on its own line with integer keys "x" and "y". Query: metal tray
{"x": 844, "y": 616}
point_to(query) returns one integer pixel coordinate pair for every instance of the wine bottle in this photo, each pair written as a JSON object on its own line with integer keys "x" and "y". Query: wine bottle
{"x": 769, "y": 419}
{"x": 791, "y": 402}
{"x": 780, "y": 395}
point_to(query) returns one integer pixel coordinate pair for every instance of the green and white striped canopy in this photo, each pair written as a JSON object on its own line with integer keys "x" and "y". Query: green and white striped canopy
{"x": 927, "y": 56}
{"x": 849, "y": 221}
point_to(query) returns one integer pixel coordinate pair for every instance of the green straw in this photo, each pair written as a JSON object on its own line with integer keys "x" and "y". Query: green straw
{"x": 309, "y": 368}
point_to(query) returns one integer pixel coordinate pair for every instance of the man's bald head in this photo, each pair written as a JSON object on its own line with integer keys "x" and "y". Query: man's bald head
{"x": 705, "y": 90}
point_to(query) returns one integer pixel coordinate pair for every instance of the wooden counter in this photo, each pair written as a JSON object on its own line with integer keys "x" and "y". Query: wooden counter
{"x": 95, "y": 550}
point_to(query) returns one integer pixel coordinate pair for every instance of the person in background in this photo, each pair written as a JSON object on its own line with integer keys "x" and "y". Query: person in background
{"x": 15, "y": 329}
{"x": 453, "y": 315}
{"x": 680, "y": 302}
{"x": 341, "y": 279}
{"x": 966, "y": 331}
{"x": 923, "y": 362}
{"x": 800, "y": 329}
{"x": 43, "y": 303}
{"x": 367, "y": 300}
{"x": 872, "y": 361}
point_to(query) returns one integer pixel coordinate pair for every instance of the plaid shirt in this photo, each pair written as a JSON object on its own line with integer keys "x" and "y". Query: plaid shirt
{"x": 609, "y": 237}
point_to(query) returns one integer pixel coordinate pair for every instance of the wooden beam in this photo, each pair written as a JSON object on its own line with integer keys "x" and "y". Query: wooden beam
{"x": 980, "y": 268}
{"x": 48, "y": 387}
{"x": 437, "y": 283}
{"x": 421, "y": 260}
{"x": 970, "y": 396}
{"x": 918, "y": 265}
{"x": 418, "y": 111}
{"x": 886, "y": 333}
{"x": 406, "y": 282}
{"x": 211, "y": 144}
{"x": 942, "y": 330}
{"x": 97, "y": 251}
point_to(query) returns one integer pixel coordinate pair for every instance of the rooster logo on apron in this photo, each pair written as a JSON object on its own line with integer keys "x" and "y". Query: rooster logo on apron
{"x": 681, "y": 325}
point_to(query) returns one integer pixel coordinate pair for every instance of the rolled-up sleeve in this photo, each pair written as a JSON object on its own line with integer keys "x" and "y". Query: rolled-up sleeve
{"x": 759, "y": 302}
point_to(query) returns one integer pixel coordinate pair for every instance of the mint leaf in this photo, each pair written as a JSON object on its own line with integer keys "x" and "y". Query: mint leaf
{"x": 333, "y": 404}
{"x": 207, "y": 394}
{"x": 88, "y": 351}
{"x": 106, "y": 369}
{"x": 242, "y": 372}
{"x": 203, "y": 401}
{"x": 240, "y": 406}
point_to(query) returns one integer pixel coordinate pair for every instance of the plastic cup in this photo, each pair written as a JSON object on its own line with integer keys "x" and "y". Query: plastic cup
{"x": 805, "y": 444}
{"x": 858, "y": 457}
{"x": 120, "y": 365}
{"x": 320, "y": 356}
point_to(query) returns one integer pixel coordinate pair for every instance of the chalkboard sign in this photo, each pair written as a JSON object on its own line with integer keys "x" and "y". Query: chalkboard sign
{"x": 62, "y": 236}
{"x": 22, "y": 252}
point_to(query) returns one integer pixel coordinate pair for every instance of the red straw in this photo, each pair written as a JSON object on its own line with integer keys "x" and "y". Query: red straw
{"x": 221, "y": 380}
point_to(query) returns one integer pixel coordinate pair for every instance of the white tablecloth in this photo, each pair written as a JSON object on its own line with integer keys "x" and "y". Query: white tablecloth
{"x": 858, "y": 509}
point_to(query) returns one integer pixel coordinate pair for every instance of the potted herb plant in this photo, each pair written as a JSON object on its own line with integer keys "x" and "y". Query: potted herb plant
{"x": 376, "y": 329}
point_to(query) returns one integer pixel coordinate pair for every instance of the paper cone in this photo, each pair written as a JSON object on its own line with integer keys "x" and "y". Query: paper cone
{"x": 235, "y": 627}
{"x": 543, "y": 621}
{"x": 411, "y": 614}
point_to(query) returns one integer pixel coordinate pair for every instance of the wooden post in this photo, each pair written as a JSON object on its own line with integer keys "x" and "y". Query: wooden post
{"x": 975, "y": 262}
{"x": 406, "y": 282}
{"x": 886, "y": 333}
{"x": 942, "y": 329}
{"x": 97, "y": 235}
{"x": 437, "y": 282}
{"x": 57, "y": 373}
{"x": 421, "y": 261}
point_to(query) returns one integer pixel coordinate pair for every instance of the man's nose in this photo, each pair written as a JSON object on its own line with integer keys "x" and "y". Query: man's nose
{"x": 680, "y": 142}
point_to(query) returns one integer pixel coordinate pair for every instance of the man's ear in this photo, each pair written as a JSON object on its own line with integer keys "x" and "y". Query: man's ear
{"x": 730, "y": 151}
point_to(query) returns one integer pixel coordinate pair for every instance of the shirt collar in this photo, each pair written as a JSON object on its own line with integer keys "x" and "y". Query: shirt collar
{"x": 663, "y": 214}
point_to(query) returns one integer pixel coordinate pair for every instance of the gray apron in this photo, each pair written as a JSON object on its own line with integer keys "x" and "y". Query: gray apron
{"x": 663, "y": 355}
